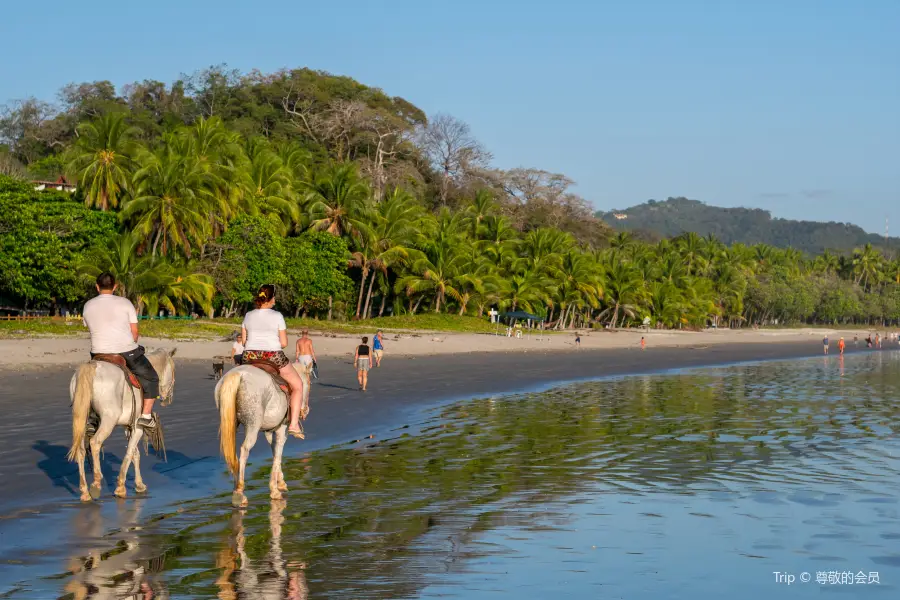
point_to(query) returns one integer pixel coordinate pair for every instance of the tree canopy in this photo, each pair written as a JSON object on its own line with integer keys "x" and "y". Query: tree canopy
{"x": 355, "y": 204}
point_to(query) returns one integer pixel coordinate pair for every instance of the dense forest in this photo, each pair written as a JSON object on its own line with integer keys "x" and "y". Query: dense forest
{"x": 356, "y": 204}
{"x": 654, "y": 220}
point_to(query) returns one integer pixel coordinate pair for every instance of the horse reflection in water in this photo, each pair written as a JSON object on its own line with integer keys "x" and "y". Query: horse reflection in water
{"x": 125, "y": 571}
{"x": 267, "y": 579}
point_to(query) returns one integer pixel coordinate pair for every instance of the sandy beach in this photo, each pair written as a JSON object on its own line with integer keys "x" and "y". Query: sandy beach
{"x": 42, "y": 352}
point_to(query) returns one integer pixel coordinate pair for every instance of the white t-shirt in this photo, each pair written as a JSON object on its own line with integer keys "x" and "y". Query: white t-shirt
{"x": 262, "y": 327}
{"x": 237, "y": 348}
{"x": 109, "y": 317}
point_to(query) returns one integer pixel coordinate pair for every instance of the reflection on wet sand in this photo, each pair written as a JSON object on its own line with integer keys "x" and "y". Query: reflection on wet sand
{"x": 266, "y": 579}
{"x": 602, "y": 481}
{"x": 123, "y": 572}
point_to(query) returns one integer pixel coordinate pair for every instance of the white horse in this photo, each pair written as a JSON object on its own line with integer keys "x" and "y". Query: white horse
{"x": 102, "y": 386}
{"x": 250, "y": 396}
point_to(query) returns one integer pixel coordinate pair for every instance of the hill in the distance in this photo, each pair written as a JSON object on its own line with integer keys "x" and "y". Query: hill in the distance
{"x": 655, "y": 220}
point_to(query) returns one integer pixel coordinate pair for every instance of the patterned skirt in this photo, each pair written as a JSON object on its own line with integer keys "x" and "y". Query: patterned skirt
{"x": 278, "y": 357}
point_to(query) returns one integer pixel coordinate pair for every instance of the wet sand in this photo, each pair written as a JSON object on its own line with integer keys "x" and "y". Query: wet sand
{"x": 40, "y": 487}
{"x": 36, "y": 430}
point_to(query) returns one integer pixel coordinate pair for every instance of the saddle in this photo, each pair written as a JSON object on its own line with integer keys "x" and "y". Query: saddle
{"x": 272, "y": 369}
{"x": 115, "y": 359}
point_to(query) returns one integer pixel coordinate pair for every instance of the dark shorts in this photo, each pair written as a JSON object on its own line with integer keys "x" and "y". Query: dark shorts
{"x": 238, "y": 359}
{"x": 143, "y": 370}
{"x": 279, "y": 358}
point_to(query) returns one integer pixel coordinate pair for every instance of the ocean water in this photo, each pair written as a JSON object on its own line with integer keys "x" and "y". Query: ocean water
{"x": 778, "y": 480}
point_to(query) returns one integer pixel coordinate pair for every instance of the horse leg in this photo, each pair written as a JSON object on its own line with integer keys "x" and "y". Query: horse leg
{"x": 130, "y": 452}
{"x": 238, "y": 498}
{"x": 139, "y": 486}
{"x": 277, "y": 452}
{"x": 276, "y": 479}
{"x": 82, "y": 479}
{"x": 106, "y": 427}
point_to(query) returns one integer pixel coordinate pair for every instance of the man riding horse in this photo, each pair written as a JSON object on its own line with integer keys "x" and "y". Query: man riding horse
{"x": 113, "y": 323}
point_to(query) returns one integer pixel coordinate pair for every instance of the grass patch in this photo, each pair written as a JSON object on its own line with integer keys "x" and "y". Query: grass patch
{"x": 219, "y": 328}
{"x": 424, "y": 322}
{"x": 150, "y": 328}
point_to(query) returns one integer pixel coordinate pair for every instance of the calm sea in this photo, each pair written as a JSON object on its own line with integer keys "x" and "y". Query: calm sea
{"x": 774, "y": 480}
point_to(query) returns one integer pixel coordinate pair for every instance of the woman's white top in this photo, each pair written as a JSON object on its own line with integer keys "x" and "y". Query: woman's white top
{"x": 263, "y": 325}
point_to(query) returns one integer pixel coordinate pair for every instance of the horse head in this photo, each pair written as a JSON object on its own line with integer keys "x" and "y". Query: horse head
{"x": 165, "y": 368}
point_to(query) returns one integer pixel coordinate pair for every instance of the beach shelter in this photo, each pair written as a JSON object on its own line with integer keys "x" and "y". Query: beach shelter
{"x": 521, "y": 314}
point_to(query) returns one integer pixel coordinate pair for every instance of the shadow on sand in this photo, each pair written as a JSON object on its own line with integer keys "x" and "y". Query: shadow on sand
{"x": 64, "y": 474}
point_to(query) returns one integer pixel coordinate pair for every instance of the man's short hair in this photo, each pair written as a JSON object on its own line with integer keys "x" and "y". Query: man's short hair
{"x": 304, "y": 331}
{"x": 106, "y": 281}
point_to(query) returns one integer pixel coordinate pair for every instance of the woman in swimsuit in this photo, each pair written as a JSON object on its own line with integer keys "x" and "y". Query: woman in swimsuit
{"x": 361, "y": 362}
{"x": 264, "y": 337}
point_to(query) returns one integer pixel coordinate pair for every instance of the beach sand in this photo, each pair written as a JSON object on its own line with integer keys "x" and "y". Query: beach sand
{"x": 42, "y": 352}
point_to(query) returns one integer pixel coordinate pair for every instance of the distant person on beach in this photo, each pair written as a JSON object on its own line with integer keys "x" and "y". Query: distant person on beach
{"x": 264, "y": 335}
{"x": 856, "y": 340}
{"x": 825, "y": 343}
{"x": 378, "y": 348}
{"x": 841, "y": 346}
{"x": 578, "y": 340}
{"x": 304, "y": 353}
{"x": 869, "y": 341}
{"x": 237, "y": 351}
{"x": 877, "y": 341}
{"x": 643, "y": 343}
{"x": 361, "y": 362}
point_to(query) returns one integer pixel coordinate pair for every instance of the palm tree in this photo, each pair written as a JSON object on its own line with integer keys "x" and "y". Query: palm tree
{"x": 338, "y": 201}
{"x": 172, "y": 199}
{"x": 102, "y": 160}
{"x": 267, "y": 186}
{"x": 622, "y": 292}
{"x": 149, "y": 282}
{"x": 866, "y": 265}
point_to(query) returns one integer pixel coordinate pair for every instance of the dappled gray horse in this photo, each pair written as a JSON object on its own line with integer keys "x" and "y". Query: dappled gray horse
{"x": 102, "y": 386}
{"x": 248, "y": 395}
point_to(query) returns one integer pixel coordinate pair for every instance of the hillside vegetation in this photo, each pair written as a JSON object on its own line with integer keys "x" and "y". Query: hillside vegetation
{"x": 360, "y": 209}
{"x": 670, "y": 218}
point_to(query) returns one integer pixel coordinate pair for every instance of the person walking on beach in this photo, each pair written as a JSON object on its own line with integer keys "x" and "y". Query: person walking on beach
{"x": 578, "y": 340}
{"x": 361, "y": 362}
{"x": 825, "y": 343}
{"x": 264, "y": 336}
{"x": 113, "y": 325}
{"x": 841, "y": 346}
{"x": 304, "y": 353}
{"x": 378, "y": 348}
{"x": 877, "y": 341}
{"x": 237, "y": 351}
{"x": 643, "y": 343}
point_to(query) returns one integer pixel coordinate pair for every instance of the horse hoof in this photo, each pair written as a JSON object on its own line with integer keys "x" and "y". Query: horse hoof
{"x": 276, "y": 495}
{"x": 85, "y": 497}
{"x": 140, "y": 488}
{"x": 120, "y": 492}
{"x": 283, "y": 487}
{"x": 95, "y": 491}
{"x": 238, "y": 500}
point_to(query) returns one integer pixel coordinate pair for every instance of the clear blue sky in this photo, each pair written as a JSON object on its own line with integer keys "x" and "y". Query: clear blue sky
{"x": 788, "y": 105}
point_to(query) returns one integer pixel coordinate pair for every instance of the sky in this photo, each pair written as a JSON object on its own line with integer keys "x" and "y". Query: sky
{"x": 791, "y": 106}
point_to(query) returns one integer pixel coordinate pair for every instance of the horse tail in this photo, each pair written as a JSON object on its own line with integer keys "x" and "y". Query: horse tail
{"x": 81, "y": 406}
{"x": 228, "y": 391}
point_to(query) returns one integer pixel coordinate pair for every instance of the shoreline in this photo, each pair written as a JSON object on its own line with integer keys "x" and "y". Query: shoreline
{"x": 48, "y": 352}
{"x": 40, "y": 484}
